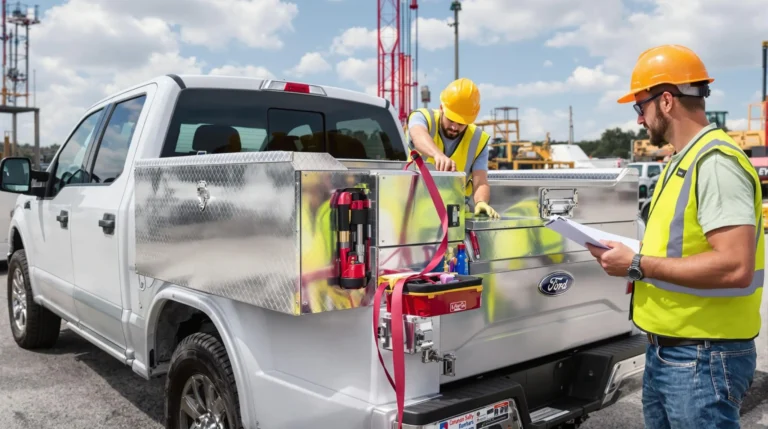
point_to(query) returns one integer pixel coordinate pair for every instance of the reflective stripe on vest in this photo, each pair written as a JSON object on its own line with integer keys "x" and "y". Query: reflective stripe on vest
{"x": 673, "y": 231}
{"x": 462, "y": 158}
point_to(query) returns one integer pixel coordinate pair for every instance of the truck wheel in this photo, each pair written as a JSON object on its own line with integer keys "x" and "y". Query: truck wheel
{"x": 200, "y": 389}
{"x": 33, "y": 326}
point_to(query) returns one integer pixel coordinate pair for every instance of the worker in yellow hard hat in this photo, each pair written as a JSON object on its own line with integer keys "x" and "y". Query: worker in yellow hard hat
{"x": 448, "y": 138}
{"x": 698, "y": 276}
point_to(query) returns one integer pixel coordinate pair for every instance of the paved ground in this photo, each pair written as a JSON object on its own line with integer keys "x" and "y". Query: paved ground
{"x": 76, "y": 385}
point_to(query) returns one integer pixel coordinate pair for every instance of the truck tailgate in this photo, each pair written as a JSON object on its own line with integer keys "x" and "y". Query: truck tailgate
{"x": 542, "y": 293}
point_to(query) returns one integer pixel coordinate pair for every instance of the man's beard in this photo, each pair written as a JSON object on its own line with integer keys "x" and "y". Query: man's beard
{"x": 657, "y": 131}
{"x": 448, "y": 133}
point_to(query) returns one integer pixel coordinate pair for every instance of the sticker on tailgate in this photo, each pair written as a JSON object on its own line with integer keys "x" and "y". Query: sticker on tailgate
{"x": 481, "y": 418}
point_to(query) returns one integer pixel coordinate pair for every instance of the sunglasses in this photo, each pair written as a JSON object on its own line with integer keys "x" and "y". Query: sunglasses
{"x": 639, "y": 105}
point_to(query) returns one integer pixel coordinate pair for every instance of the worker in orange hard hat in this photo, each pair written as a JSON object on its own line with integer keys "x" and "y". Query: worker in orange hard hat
{"x": 698, "y": 275}
{"x": 448, "y": 138}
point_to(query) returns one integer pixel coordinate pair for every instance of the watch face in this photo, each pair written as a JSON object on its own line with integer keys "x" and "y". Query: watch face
{"x": 635, "y": 274}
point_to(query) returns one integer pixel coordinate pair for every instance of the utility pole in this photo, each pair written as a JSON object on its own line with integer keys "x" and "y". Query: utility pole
{"x": 570, "y": 125}
{"x": 456, "y": 7}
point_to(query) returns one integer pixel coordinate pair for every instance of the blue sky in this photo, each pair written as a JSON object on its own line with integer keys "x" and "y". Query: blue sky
{"x": 539, "y": 56}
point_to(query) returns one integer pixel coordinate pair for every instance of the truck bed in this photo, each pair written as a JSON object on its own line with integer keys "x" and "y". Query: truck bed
{"x": 519, "y": 321}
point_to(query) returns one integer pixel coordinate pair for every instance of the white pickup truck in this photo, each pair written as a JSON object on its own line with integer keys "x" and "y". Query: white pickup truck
{"x": 230, "y": 234}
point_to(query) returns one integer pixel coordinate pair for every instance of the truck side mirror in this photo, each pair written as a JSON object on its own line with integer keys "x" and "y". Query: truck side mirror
{"x": 16, "y": 175}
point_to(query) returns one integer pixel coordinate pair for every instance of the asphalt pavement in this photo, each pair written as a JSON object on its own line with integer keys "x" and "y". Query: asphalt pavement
{"x": 76, "y": 385}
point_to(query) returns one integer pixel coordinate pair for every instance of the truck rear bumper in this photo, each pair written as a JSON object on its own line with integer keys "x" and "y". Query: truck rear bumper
{"x": 541, "y": 395}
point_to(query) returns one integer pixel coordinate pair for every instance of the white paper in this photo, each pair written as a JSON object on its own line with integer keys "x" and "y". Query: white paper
{"x": 584, "y": 235}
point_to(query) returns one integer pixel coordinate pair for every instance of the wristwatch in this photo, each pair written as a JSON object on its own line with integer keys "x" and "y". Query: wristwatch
{"x": 634, "y": 271}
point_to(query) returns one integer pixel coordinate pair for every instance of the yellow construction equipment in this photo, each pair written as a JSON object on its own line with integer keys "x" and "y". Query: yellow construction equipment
{"x": 746, "y": 139}
{"x": 508, "y": 154}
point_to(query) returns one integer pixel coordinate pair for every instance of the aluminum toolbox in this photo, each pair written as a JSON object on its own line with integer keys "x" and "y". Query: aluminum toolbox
{"x": 523, "y": 316}
{"x": 258, "y": 227}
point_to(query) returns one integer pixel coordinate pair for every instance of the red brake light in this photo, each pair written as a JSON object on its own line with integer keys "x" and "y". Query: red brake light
{"x": 302, "y": 88}
{"x": 297, "y": 87}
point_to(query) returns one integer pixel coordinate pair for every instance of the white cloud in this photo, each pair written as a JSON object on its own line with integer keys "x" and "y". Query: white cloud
{"x": 310, "y": 63}
{"x": 583, "y": 79}
{"x": 84, "y": 50}
{"x": 486, "y": 22}
{"x": 547, "y": 63}
{"x": 435, "y": 33}
{"x": 354, "y": 39}
{"x": 360, "y": 72}
{"x": 214, "y": 24}
{"x": 620, "y": 36}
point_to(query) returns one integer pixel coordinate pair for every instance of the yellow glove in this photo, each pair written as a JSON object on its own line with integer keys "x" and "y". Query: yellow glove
{"x": 482, "y": 206}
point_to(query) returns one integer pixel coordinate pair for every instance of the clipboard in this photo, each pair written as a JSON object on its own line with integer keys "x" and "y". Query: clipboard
{"x": 583, "y": 235}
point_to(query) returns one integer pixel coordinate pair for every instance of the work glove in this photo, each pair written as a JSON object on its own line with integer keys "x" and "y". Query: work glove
{"x": 483, "y": 207}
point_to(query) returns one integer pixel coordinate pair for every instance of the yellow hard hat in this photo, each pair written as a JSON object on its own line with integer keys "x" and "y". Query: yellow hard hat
{"x": 461, "y": 101}
{"x": 673, "y": 64}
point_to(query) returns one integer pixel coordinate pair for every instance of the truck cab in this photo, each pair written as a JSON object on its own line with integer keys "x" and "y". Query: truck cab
{"x": 188, "y": 227}
{"x": 646, "y": 171}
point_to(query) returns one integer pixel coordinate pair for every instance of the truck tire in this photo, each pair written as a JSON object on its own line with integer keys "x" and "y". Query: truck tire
{"x": 200, "y": 361}
{"x": 32, "y": 325}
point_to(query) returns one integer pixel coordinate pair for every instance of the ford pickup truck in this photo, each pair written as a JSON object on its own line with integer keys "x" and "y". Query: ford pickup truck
{"x": 232, "y": 235}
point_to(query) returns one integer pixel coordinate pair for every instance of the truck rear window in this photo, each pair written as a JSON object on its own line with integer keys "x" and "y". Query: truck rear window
{"x": 225, "y": 121}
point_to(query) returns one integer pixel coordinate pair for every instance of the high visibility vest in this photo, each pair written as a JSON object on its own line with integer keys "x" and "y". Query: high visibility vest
{"x": 673, "y": 231}
{"x": 473, "y": 142}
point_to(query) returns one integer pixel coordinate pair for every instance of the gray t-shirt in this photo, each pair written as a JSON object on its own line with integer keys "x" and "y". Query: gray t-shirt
{"x": 726, "y": 193}
{"x": 480, "y": 164}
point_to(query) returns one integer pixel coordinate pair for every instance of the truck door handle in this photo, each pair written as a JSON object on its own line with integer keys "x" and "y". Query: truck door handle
{"x": 63, "y": 218}
{"x": 107, "y": 223}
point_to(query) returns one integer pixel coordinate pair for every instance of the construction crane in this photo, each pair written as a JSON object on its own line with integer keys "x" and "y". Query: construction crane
{"x": 508, "y": 154}
{"x": 396, "y": 67}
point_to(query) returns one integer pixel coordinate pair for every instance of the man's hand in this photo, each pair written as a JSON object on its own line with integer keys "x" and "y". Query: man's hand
{"x": 483, "y": 207}
{"x": 423, "y": 143}
{"x": 443, "y": 163}
{"x": 616, "y": 260}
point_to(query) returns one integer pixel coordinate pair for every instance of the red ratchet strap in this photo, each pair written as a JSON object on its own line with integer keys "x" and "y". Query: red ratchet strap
{"x": 398, "y": 352}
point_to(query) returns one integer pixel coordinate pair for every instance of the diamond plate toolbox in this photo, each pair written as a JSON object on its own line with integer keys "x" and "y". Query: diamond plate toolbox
{"x": 226, "y": 224}
{"x": 259, "y": 227}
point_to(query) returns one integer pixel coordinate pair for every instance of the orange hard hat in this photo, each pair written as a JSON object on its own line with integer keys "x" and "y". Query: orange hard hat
{"x": 461, "y": 101}
{"x": 673, "y": 64}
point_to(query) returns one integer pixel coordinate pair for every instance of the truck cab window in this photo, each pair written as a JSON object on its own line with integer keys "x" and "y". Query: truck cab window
{"x": 70, "y": 166}
{"x": 226, "y": 120}
{"x": 111, "y": 153}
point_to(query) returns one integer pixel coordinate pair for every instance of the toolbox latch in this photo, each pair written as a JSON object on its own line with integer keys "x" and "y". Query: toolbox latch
{"x": 557, "y": 202}
{"x": 417, "y": 333}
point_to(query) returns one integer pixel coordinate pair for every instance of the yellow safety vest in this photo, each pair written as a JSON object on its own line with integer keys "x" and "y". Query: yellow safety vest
{"x": 673, "y": 231}
{"x": 473, "y": 142}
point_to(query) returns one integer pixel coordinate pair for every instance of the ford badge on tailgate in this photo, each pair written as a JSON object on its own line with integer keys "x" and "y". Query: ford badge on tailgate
{"x": 556, "y": 283}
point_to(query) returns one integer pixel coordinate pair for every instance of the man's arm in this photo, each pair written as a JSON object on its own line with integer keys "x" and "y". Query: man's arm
{"x": 480, "y": 177}
{"x": 422, "y": 142}
{"x": 726, "y": 213}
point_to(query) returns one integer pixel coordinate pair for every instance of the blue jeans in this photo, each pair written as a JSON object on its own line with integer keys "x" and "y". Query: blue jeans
{"x": 697, "y": 386}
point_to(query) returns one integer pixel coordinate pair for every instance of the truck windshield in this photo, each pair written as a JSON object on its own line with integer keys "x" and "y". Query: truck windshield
{"x": 225, "y": 121}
